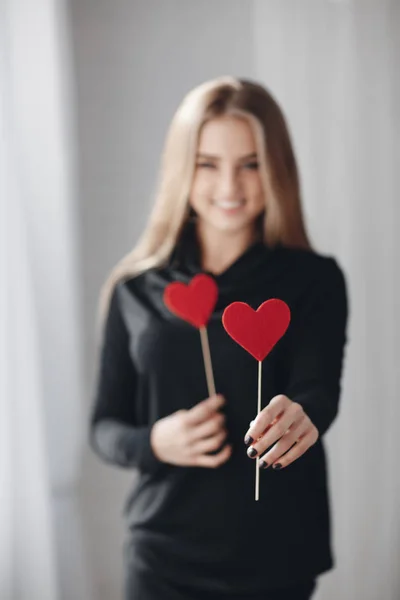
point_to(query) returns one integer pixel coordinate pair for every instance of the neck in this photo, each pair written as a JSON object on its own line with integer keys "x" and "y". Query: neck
{"x": 219, "y": 250}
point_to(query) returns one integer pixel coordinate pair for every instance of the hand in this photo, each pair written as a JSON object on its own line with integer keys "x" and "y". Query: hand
{"x": 185, "y": 437}
{"x": 282, "y": 420}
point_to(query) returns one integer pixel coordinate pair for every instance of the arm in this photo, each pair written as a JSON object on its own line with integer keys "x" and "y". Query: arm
{"x": 113, "y": 434}
{"x": 316, "y": 348}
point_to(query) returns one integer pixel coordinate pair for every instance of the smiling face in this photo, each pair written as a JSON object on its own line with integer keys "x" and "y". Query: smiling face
{"x": 227, "y": 192}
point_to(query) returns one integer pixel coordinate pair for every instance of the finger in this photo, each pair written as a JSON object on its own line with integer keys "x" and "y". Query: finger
{"x": 291, "y": 437}
{"x": 265, "y": 430}
{"x": 213, "y": 425}
{"x": 209, "y": 444}
{"x": 215, "y": 460}
{"x": 268, "y": 428}
{"x": 296, "y": 451}
{"x": 275, "y": 408}
{"x": 289, "y": 419}
{"x": 201, "y": 411}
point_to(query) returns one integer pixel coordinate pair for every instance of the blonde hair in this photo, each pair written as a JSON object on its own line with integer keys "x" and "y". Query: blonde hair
{"x": 283, "y": 220}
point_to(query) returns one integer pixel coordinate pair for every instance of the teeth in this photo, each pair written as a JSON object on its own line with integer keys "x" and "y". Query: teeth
{"x": 228, "y": 204}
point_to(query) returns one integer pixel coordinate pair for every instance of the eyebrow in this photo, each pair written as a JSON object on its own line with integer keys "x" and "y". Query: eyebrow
{"x": 214, "y": 157}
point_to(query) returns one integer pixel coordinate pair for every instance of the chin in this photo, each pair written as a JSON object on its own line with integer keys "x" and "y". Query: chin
{"x": 229, "y": 226}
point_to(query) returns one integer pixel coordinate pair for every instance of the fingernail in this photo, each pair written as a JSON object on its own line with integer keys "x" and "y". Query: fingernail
{"x": 248, "y": 440}
{"x": 277, "y": 466}
{"x": 251, "y": 452}
{"x": 263, "y": 464}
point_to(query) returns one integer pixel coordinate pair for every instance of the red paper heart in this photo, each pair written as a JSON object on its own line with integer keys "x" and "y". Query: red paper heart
{"x": 194, "y": 302}
{"x": 257, "y": 331}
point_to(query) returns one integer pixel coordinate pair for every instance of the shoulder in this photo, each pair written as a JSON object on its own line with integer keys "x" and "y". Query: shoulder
{"x": 317, "y": 282}
{"x": 139, "y": 294}
{"x": 317, "y": 291}
{"x": 119, "y": 297}
{"x": 133, "y": 285}
{"x": 313, "y": 268}
{"x": 139, "y": 281}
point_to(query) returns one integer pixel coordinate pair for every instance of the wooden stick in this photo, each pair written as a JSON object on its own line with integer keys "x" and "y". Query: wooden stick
{"x": 207, "y": 361}
{"x": 258, "y": 412}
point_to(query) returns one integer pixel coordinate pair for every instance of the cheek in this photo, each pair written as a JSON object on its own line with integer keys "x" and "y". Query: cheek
{"x": 254, "y": 192}
{"x": 201, "y": 187}
{"x": 253, "y": 184}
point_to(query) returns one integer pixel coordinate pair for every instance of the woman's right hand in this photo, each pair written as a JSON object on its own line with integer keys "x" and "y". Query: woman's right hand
{"x": 185, "y": 437}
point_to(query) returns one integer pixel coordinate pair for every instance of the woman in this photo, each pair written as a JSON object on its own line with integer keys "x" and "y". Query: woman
{"x": 228, "y": 204}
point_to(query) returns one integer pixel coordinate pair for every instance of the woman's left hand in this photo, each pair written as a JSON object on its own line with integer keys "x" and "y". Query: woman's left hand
{"x": 283, "y": 420}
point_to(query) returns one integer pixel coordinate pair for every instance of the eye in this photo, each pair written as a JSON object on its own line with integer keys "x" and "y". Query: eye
{"x": 205, "y": 165}
{"x": 252, "y": 165}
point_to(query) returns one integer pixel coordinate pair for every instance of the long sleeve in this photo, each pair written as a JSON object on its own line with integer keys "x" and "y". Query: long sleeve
{"x": 317, "y": 347}
{"x": 113, "y": 434}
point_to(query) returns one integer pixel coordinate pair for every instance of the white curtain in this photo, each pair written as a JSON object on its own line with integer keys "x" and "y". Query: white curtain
{"x": 41, "y": 423}
{"x": 27, "y": 558}
{"x": 334, "y": 66}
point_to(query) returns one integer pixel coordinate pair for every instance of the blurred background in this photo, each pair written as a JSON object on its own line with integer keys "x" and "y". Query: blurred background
{"x": 87, "y": 91}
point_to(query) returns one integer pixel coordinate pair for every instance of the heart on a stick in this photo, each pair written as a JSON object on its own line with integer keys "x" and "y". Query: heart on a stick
{"x": 194, "y": 302}
{"x": 257, "y": 331}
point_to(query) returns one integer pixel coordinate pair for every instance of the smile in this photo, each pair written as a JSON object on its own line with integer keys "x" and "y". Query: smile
{"x": 229, "y": 205}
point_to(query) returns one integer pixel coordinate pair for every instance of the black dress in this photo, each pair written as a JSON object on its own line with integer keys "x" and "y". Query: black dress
{"x": 195, "y": 532}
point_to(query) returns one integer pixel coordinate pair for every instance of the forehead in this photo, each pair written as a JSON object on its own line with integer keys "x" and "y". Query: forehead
{"x": 230, "y": 135}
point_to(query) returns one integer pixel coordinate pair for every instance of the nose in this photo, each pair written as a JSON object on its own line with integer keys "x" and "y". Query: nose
{"x": 228, "y": 185}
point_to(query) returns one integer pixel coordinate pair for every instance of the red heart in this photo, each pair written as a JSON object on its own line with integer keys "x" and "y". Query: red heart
{"x": 257, "y": 331}
{"x": 194, "y": 302}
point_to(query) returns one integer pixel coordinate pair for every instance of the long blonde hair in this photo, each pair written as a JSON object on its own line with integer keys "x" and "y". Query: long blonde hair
{"x": 283, "y": 220}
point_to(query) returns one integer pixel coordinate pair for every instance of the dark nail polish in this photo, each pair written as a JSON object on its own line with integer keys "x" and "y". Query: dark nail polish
{"x": 263, "y": 464}
{"x": 277, "y": 466}
{"x": 248, "y": 440}
{"x": 251, "y": 452}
